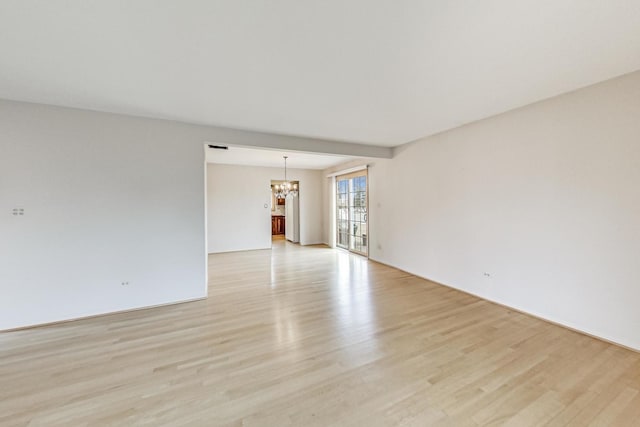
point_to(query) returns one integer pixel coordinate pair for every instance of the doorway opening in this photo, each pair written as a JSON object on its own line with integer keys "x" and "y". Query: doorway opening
{"x": 285, "y": 214}
{"x": 352, "y": 212}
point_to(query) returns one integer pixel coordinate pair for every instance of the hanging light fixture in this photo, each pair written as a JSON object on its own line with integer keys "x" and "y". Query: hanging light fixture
{"x": 286, "y": 187}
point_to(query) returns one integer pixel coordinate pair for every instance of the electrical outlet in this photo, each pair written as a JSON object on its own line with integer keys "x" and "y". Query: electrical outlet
{"x": 125, "y": 283}
{"x": 487, "y": 275}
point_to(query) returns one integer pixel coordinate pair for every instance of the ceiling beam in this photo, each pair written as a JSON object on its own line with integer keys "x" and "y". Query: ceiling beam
{"x": 227, "y": 136}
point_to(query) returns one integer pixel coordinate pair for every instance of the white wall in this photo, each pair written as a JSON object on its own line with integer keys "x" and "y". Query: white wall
{"x": 545, "y": 199}
{"x": 107, "y": 199}
{"x": 236, "y": 215}
{"x": 111, "y": 198}
{"x": 329, "y": 209}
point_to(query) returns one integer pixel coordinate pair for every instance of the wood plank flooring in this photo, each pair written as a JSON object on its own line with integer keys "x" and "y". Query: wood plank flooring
{"x": 309, "y": 336}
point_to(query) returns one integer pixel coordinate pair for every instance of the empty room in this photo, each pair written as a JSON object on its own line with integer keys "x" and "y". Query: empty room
{"x": 331, "y": 213}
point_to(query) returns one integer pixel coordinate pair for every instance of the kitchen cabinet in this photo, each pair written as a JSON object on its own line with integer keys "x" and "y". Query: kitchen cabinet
{"x": 277, "y": 224}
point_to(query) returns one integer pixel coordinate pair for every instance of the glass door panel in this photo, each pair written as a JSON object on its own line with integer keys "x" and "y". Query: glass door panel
{"x": 342, "y": 214}
{"x": 351, "y": 216}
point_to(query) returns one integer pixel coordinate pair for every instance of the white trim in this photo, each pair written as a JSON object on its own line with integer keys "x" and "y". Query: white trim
{"x": 332, "y": 212}
{"x": 206, "y": 225}
{"x": 346, "y": 171}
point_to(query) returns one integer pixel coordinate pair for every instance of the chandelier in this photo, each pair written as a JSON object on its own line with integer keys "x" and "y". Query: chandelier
{"x": 286, "y": 187}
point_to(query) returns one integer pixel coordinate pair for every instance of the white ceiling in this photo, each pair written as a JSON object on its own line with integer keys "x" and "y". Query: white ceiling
{"x": 273, "y": 158}
{"x": 381, "y": 72}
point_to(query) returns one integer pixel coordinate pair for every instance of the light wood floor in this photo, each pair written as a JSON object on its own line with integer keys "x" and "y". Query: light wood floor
{"x": 316, "y": 337}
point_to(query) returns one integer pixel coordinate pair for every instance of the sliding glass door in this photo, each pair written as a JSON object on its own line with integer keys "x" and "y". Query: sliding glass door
{"x": 351, "y": 212}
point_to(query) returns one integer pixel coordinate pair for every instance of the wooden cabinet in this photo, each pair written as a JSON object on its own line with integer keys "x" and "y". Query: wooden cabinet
{"x": 277, "y": 224}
